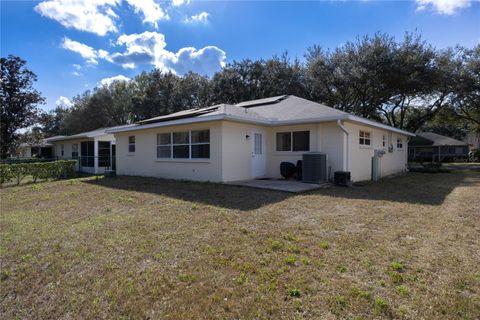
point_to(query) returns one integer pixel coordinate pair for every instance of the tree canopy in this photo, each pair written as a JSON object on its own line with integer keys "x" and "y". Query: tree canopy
{"x": 19, "y": 101}
{"x": 407, "y": 84}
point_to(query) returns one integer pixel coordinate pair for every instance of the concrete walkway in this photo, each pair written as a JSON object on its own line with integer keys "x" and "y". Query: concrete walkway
{"x": 293, "y": 186}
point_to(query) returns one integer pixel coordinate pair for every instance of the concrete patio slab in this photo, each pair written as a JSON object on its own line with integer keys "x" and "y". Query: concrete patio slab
{"x": 293, "y": 186}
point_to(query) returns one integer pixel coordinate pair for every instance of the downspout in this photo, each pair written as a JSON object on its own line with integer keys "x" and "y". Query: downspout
{"x": 347, "y": 155}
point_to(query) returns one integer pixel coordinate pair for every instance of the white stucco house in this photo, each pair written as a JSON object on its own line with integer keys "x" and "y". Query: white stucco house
{"x": 94, "y": 150}
{"x": 249, "y": 140}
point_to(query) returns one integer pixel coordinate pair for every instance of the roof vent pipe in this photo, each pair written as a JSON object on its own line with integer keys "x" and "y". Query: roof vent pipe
{"x": 347, "y": 154}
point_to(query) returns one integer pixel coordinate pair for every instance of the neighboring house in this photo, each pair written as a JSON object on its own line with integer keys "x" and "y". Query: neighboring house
{"x": 95, "y": 150}
{"x": 250, "y": 139}
{"x": 42, "y": 150}
{"x": 429, "y": 146}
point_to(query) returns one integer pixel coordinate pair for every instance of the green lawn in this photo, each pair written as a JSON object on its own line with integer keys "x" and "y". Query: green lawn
{"x": 136, "y": 248}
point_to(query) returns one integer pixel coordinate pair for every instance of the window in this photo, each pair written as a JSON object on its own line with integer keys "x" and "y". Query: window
{"x": 364, "y": 138}
{"x": 62, "y": 150}
{"x": 200, "y": 144}
{"x": 384, "y": 141}
{"x": 131, "y": 144}
{"x": 164, "y": 145}
{"x": 399, "y": 143}
{"x": 75, "y": 151}
{"x": 181, "y": 145}
{"x": 293, "y": 141}
{"x": 104, "y": 153}
{"x": 184, "y": 145}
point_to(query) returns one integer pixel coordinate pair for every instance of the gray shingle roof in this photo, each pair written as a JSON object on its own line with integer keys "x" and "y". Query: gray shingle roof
{"x": 439, "y": 140}
{"x": 279, "y": 110}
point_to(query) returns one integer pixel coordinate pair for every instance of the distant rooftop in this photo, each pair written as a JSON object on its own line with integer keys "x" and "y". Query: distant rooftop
{"x": 439, "y": 140}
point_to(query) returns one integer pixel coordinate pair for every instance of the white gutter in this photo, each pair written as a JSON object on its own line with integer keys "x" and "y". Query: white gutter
{"x": 347, "y": 154}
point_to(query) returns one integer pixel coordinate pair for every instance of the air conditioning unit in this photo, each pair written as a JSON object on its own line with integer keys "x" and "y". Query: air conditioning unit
{"x": 390, "y": 148}
{"x": 314, "y": 167}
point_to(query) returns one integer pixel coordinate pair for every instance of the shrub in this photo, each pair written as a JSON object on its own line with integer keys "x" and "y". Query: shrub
{"x": 5, "y": 173}
{"x": 38, "y": 170}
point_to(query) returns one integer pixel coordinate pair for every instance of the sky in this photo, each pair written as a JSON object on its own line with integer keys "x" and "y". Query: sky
{"x": 73, "y": 46}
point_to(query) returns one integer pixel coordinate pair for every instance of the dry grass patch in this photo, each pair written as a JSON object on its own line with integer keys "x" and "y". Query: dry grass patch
{"x": 145, "y": 248}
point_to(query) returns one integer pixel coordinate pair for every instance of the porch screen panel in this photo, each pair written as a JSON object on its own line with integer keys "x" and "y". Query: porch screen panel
{"x": 104, "y": 153}
{"x": 87, "y": 154}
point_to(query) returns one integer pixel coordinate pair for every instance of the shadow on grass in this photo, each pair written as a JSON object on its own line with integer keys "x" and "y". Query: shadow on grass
{"x": 216, "y": 194}
{"x": 415, "y": 188}
{"x": 412, "y": 187}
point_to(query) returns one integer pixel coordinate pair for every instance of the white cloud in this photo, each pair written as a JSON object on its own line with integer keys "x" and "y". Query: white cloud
{"x": 77, "y": 66}
{"x": 150, "y": 48}
{"x": 88, "y": 53}
{"x": 177, "y": 3}
{"x": 63, "y": 102}
{"x": 109, "y": 81}
{"x": 150, "y": 9}
{"x": 98, "y": 16}
{"x": 446, "y": 7}
{"x": 202, "y": 17}
{"x": 94, "y": 16}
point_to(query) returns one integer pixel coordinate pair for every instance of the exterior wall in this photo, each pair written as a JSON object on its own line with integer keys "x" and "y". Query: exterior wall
{"x": 274, "y": 157}
{"x": 333, "y": 142}
{"x": 360, "y": 157}
{"x": 144, "y": 161}
{"x": 231, "y": 152}
{"x": 237, "y": 150}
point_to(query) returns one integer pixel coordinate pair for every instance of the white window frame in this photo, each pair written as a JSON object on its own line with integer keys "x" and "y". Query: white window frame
{"x": 361, "y": 135}
{"x": 189, "y": 144}
{"x": 62, "y": 150}
{"x": 291, "y": 141}
{"x": 132, "y": 144}
{"x": 401, "y": 144}
{"x": 384, "y": 141}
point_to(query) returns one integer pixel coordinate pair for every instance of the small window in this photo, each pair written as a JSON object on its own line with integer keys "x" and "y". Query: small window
{"x": 62, "y": 150}
{"x": 284, "y": 141}
{"x": 364, "y": 138}
{"x": 75, "y": 151}
{"x": 384, "y": 141}
{"x": 293, "y": 141}
{"x": 131, "y": 144}
{"x": 399, "y": 143}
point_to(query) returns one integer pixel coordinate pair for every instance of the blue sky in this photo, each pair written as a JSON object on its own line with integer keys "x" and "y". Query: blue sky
{"x": 73, "y": 47}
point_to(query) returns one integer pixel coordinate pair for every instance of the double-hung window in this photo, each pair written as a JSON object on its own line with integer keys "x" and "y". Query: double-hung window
{"x": 193, "y": 144}
{"x": 399, "y": 143}
{"x": 131, "y": 144}
{"x": 181, "y": 145}
{"x": 384, "y": 141}
{"x": 200, "y": 140}
{"x": 364, "y": 138}
{"x": 62, "y": 150}
{"x": 293, "y": 141}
